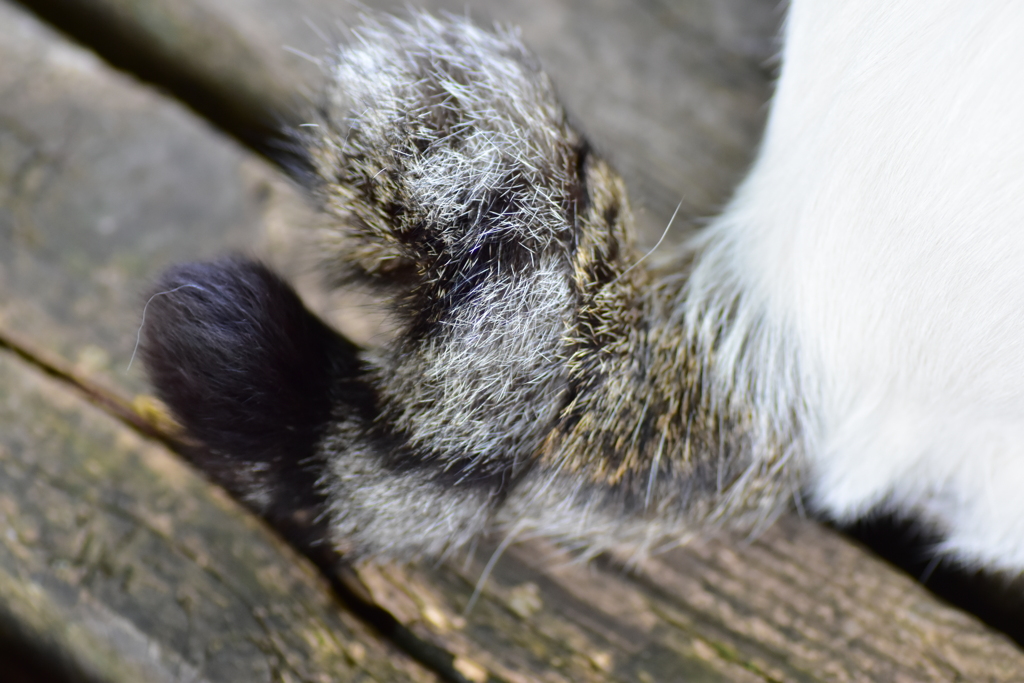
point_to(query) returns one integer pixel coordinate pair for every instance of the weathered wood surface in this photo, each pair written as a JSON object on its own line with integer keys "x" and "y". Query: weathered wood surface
{"x": 118, "y": 560}
{"x": 120, "y": 564}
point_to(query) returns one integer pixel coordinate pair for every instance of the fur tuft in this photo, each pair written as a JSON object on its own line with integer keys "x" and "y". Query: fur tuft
{"x": 251, "y": 375}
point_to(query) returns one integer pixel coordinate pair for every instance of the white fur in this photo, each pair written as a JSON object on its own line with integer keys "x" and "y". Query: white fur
{"x": 879, "y": 243}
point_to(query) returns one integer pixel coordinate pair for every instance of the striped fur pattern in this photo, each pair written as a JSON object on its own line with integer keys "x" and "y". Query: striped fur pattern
{"x": 543, "y": 379}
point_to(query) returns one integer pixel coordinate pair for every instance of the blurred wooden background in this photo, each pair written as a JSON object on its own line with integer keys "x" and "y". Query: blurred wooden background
{"x": 138, "y": 133}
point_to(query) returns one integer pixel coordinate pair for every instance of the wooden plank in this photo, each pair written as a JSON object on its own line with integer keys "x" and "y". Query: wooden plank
{"x": 122, "y": 564}
{"x": 797, "y": 604}
{"x": 103, "y": 182}
{"x": 674, "y": 93}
